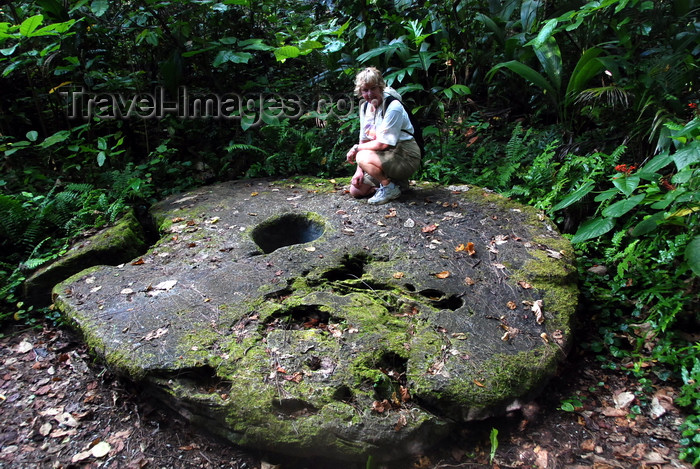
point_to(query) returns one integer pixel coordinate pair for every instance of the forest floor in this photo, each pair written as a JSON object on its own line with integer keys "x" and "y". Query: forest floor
{"x": 61, "y": 409}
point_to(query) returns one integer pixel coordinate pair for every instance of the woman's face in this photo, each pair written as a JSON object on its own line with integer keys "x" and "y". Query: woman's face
{"x": 372, "y": 94}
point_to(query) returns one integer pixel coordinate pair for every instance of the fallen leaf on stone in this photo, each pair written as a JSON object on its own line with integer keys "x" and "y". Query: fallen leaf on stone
{"x": 500, "y": 239}
{"x": 537, "y": 309}
{"x": 479, "y": 383}
{"x": 409, "y": 223}
{"x": 139, "y": 261}
{"x": 160, "y": 332}
{"x": 392, "y": 213}
{"x": 429, "y": 228}
{"x": 459, "y": 335}
{"x": 469, "y": 281}
{"x": 296, "y": 377}
{"x": 166, "y": 285}
{"x": 126, "y": 291}
{"x": 310, "y": 249}
{"x": 177, "y": 219}
{"x": 468, "y": 248}
{"x": 400, "y": 423}
{"x": 405, "y": 395}
{"x": 443, "y": 274}
{"x": 253, "y": 194}
{"x": 554, "y": 254}
{"x": 524, "y": 285}
{"x": 499, "y": 266}
{"x": 381, "y": 406}
{"x": 398, "y": 275}
{"x": 511, "y": 305}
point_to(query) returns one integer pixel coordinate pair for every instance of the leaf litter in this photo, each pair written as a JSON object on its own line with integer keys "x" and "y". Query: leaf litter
{"x": 59, "y": 408}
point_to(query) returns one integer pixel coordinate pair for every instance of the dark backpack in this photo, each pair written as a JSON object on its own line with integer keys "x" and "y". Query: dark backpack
{"x": 417, "y": 130}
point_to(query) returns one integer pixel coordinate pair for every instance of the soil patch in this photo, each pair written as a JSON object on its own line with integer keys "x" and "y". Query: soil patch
{"x": 59, "y": 408}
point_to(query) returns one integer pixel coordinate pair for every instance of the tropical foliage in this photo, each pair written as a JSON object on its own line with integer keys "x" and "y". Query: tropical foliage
{"x": 586, "y": 110}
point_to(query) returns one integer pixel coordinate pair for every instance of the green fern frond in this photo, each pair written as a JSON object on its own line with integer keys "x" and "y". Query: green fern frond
{"x": 13, "y": 218}
{"x": 243, "y": 147}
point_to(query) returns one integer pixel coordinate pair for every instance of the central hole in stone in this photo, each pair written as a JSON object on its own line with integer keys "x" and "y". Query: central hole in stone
{"x": 287, "y": 230}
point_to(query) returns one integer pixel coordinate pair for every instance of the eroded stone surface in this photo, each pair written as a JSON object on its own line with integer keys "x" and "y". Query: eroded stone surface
{"x": 296, "y": 319}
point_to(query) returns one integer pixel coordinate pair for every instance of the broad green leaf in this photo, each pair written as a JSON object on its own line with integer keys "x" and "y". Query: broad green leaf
{"x": 9, "y": 50}
{"x": 491, "y": 24}
{"x": 231, "y": 56}
{"x": 692, "y": 255}
{"x": 387, "y": 49}
{"x": 99, "y": 7}
{"x": 592, "y": 229}
{"x": 101, "y": 159}
{"x": 658, "y": 162}
{"x": 32, "y": 135}
{"x": 254, "y": 44}
{"x": 687, "y": 155}
{"x": 606, "y": 195}
{"x": 58, "y": 137}
{"x": 528, "y": 14}
{"x": 29, "y": 25}
{"x": 286, "y": 52}
{"x": 527, "y": 73}
{"x": 586, "y": 68}
{"x": 101, "y": 143}
{"x": 621, "y": 207}
{"x": 310, "y": 45}
{"x": 648, "y": 224}
{"x": 549, "y": 56}
{"x": 626, "y": 184}
{"x": 575, "y": 196}
{"x": 460, "y": 90}
{"x": 545, "y": 33}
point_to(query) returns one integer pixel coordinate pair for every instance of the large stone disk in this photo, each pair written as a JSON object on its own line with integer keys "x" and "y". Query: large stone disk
{"x": 290, "y": 317}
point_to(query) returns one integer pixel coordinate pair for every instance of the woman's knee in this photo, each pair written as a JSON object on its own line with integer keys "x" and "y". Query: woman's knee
{"x": 363, "y": 190}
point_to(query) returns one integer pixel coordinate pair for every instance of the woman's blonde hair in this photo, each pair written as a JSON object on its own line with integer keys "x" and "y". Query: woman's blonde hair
{"x": 370, "y": 77}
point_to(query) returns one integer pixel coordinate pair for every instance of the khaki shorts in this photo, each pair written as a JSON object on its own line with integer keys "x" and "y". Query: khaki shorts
{"x": 398, "y": 163}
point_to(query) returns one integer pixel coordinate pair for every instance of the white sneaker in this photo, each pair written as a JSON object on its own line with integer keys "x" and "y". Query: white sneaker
{"x": 384, "y": 194}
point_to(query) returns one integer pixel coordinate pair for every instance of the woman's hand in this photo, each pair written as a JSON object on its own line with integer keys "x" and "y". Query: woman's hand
{"x": 358, "y": 177}
{"x": 352, "y": 153}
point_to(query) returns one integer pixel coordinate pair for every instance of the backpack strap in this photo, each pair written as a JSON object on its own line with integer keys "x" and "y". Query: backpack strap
{"x": 386, "y": 103}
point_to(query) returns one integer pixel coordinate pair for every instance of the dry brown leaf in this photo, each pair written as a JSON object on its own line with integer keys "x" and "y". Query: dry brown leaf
{"x": 443, "y": 274}
{"x": 511, "y": 305}
{"x": 398, "y": 275}
{"x": 469, "y": 281}
{"x": 524, "y": 285}
{"x": 479, "y": 383}
{"x": 429, "y": 228}
{"x": 253, "y": 194}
